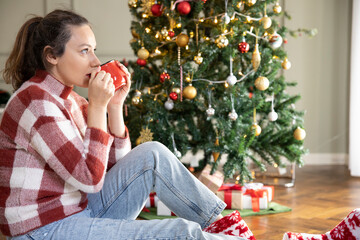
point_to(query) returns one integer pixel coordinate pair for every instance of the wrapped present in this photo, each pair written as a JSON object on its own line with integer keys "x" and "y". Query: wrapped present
{"x": 231, "y": 194}
{"x": 256, "y": 196}
{"x": 163, "y": 210}
{"x": 212, "y": 181}
{"x": 152, "y": 200}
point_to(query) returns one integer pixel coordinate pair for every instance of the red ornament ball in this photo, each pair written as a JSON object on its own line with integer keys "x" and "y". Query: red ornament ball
{"x": 164, "y": 76}
{"x": 285, "y": 40}
{"x": 173, "y": 96}
{"x": 156, "y": 10}
{"x": 204, "y": 1}
{"x": 243, "y": 47}
{"x": 141, "y": 62}
{"x": 171, "y": 34}
{"x": 184, "y": 8}
{"x": 250, "y": 95}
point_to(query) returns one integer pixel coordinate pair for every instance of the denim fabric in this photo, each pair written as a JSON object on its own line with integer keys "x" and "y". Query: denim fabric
{"x": 111, "y": 213}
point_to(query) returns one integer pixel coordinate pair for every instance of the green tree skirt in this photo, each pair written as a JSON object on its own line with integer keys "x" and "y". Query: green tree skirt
{"x": 273, "y": 208}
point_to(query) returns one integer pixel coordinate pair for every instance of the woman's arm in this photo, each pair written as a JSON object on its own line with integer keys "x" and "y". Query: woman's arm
{"x": 115, "y": 107}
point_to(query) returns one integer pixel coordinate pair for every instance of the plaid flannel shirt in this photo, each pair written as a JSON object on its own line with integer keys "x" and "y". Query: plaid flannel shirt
{"x": 49, "y": 158}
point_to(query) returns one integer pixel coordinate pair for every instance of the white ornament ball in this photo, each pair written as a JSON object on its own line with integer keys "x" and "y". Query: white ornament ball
{"x": 210, "y": 111}
{"x": 231, "y": 79}
{"x": 233, "y": 115}
{"x": 227, "y": 18}
{"x": 169, "y": 104}
{"x": 275, "y": 41}
{"x": 273, "y": 116}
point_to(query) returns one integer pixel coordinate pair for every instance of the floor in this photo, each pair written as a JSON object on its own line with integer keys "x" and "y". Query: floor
{"x": 321, "y": 198}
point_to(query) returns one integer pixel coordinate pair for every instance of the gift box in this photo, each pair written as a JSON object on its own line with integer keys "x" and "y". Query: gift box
{"x": 212, "y": 181}
{"x": 232, "y": 195}
{"x": 163, "y": 210}
{"x": 256, "y": 196}
{"x": 152, "y": 200}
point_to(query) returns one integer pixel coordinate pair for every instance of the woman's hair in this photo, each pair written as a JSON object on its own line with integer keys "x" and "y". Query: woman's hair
{"x": 28, "y": 53}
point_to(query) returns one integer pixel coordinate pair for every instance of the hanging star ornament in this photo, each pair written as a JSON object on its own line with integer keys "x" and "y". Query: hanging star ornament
{"x": 146, "y": 135}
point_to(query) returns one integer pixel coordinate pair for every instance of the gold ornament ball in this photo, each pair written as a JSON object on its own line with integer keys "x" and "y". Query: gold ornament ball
{"x": 277, "y": 8}
{"x": 189, "y": 92}
{"x": 266, "y": 22}
{"x": 132, "y": 3}
{"x": 286, "y": 64}
{"x": 177, "y": 90}
{"x": 182, "y": 40}
{"x": 198, "y": 58}
{"x": 135, "y": 100}
{"x": 250, "y": 2}
{"x": 299, "y": 134}
{"x": 222, "y": 41}
{"x": 143, "y": 53}
{"x": 262, "y": 83}
{"x": 138, "y": 141}
{"x": 164, "y": 32}
{"x": 256, "y": 128}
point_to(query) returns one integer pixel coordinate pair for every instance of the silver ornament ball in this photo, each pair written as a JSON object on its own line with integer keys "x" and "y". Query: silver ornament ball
{"x": 210, "y": 111}
{"x": 273, "y": 116}
{"x": 231, "y": 79}
{"x": 169, "y": 104}
{"x": 233, "y": 115}
{"x": 227, "y": 18}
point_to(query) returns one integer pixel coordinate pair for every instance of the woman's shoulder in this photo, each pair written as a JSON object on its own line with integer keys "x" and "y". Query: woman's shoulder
{"x": 31, "y": 91}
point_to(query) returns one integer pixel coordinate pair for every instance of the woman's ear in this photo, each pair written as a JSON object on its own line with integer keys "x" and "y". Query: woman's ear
{"x": 49, "y": 56}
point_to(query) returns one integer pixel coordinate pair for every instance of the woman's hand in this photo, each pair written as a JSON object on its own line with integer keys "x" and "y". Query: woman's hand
{"x": 101, "y": 88}
{"x": 120, "y": 95}
{"x": 115, "y": 106}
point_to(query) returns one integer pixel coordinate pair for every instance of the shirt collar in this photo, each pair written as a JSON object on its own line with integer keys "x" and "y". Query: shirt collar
{"x": 52, "y": 84}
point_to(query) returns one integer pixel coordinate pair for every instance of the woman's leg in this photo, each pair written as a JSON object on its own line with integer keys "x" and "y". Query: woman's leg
{"x": 80, "y": 226}
{"x": 151, "y": 166}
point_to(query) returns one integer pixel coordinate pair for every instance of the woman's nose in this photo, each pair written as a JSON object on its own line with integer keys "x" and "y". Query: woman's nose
{"x": 95, "y": 62}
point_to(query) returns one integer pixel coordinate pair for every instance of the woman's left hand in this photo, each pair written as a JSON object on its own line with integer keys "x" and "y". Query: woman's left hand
{"x": 120, "y": 95}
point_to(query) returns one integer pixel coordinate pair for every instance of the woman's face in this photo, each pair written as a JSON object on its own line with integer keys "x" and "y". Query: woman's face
{"x": 74, "y": 67}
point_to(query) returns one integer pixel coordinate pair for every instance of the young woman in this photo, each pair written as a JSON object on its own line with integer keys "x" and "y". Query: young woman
{"x": 67, "y": 170}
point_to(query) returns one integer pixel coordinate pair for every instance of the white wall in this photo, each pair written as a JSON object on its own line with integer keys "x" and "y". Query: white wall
{"x": 319, "y": 65}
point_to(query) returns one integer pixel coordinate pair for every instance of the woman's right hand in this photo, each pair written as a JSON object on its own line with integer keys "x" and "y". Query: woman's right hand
{"x": 101, "y": 89}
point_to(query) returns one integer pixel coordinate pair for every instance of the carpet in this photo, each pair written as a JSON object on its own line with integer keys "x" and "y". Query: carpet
{"x": 273, "y": 208}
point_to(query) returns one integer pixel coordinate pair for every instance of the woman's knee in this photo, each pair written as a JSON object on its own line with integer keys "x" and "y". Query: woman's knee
{"x": 159, "y": 152}
{"x": 156, "y": 147}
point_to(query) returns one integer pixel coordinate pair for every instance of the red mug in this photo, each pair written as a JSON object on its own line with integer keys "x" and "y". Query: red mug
{"x": 117, "y": 74}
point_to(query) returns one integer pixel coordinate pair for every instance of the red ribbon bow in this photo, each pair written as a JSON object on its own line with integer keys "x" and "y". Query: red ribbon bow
{"x": 255, "y": 197}
{"x": 225, "y": 187}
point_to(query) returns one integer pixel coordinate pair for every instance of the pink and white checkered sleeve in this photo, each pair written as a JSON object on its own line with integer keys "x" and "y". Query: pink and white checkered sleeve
{"x": 81, "y": 162}
{"x": 119, "y": 148}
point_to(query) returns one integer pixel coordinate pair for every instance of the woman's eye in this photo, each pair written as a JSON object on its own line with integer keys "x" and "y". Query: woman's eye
{"x": 85, "y": 51}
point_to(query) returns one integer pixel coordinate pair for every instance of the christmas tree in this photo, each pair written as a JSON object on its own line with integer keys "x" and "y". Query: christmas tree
{"x": 208, "y": 77}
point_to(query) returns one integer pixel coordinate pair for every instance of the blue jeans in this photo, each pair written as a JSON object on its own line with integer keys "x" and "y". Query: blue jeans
{"x": 111, "y": 213}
